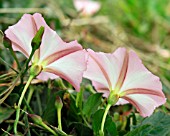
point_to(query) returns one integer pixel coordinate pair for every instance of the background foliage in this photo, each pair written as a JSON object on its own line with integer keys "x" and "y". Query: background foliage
{"x": 143, "y": 26}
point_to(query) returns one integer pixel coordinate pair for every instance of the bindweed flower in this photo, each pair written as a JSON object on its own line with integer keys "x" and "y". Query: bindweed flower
{"x": 122, "y": 75}
{"x": 87, "y": 7}
{"x": 55, "y": 57}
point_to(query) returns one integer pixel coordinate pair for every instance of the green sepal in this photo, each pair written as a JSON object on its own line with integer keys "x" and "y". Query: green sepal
{"x": 113, "y": 98}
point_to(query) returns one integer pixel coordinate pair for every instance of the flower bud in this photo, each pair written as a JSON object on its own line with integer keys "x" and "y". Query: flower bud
{"x": 58, "y": 103}
{"x": 37, "y": 119}
{"x": 36, "y": 41}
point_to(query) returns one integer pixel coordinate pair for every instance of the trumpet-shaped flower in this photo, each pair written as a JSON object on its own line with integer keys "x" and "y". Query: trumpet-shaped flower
{"x": 87, "y": 7}
{"x": 56, "y": 57}
{"x": 123, "y": 73}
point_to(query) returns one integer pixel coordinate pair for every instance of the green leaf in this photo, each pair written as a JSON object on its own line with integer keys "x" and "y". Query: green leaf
{"x": 109, "y": 127}
{"x": 97, "y": 119}
{"x": 140, "y": 131}
{"x": 5, "y": 113}
{"x": 50, "y": 112}
{"x": 92, "y": 104}
{"x": 157, "y": 125}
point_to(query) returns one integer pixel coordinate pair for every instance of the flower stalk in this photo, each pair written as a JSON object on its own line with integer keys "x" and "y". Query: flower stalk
{"x": 59, "y": 105}
{"x": 38, "y": 120}
{"x": 112, "y": 100}
{"x": 101, "y": 132}
{"x": 19, "y": 103}
{"x": 34, "y": 71}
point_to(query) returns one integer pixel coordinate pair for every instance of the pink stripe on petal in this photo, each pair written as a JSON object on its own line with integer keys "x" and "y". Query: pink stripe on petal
{"x": 98, "y": 59}
{"x": 139, "y": 77}
{"x": 145, "y": 103}
{"x": 57, "y": 55}
{"x": 70, "y": 67}
{"x": 103, "y": 71}
{"x": 101, "y": 88}
{"x": 123, "y": 72}
{"x": 16, "y": 47}
{"x": 142, "y": 91}
{"x": 133, "y": 103}
{"x": 94, "y": 73}
{"x": 53, "y": 47}
{"x": 105, "y": 68}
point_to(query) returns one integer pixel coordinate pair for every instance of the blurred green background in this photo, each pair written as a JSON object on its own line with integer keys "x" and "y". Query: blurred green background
{"x": 143, "y": 26}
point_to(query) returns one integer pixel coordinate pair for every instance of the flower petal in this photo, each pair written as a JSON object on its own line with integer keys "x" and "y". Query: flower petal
{"x": 21, "y": 34}
{"x": 87, "y": 7}
{"x": 123, "y": 58}
{"x": 141, "y": 87}
{"x": 101, "y": 88}
{"x": 70, "y": 67}
{"x": 46, "y": 75}
{"x": 144, "y": 103}
{"x": 53, "y": 47}
{"x": 39, "y": 21}
{"x": 138, "y": 77}
{"x": 104, "y": 68}
{"x": 97, "y": 68}
{"x": 121, "y": 102}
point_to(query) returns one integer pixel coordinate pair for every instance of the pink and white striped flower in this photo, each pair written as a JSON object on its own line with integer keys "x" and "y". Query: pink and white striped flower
{"x": 87, "y": 7}
{"x": 124, "y": 73}
{"x": 56, "y": 57}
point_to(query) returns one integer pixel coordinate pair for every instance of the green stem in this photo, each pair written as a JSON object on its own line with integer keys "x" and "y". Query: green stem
{"x": 26, "y": 102}
{"x": 30, "y": 94}
{"x": 20, "y": 101}
{"x": 104, "y": 119}
{"x": 59, "y": 118}
{"x": 49, "y": 129}
{"x": 27, "y": 106}
{"x": 28, "y": 60}
{"x": 27, "y": 125}
{"x": 49, "y": 90}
